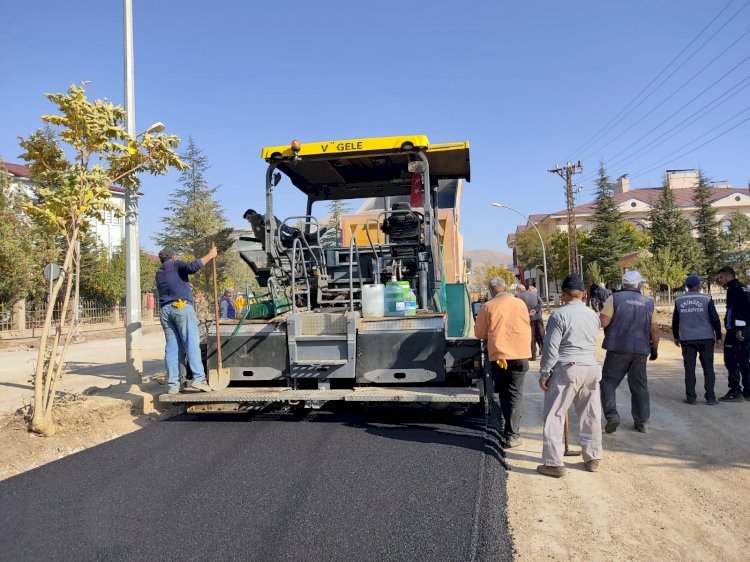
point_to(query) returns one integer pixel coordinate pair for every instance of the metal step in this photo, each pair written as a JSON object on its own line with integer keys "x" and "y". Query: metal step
{"x": 322, "y": 337}
{"x": 320, "y": 362}
{"x": 467, "y": 395}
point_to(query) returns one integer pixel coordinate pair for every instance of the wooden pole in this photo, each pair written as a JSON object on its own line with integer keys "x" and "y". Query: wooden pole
{"x": 216, "y": 313}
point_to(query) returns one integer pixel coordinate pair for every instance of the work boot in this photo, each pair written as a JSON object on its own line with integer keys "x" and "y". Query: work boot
{"x": 732, "y": 396}
{"x": 512, "y": 442}
{"x": 201, "y": 386}
{"x": 553, "y": 471}
{"x": 592, "y": 465}
{"x": 173, "y": 390}
{"x": 746, "y": 396}
{"x": 640, "y": 427}
{"x": 690, "y": 401}
{"x": 712, "y": 401}
{"x": 611, "y": 425}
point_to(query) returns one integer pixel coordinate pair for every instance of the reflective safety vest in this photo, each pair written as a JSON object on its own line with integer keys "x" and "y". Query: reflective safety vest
{"x": 630, "y": 329}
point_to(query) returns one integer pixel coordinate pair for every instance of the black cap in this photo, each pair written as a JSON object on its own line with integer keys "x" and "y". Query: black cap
{"x": 573, "y": 282}
{"x": 166, "y": 254}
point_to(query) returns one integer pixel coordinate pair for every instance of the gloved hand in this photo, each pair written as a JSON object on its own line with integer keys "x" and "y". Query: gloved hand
{"x": 502, "y": 363}
{"x": 654, "y": 354}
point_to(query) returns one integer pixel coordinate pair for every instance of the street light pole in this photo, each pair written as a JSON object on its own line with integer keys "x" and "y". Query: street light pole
{"x": 133, "y": 351}
{"x": 541, "y": 241}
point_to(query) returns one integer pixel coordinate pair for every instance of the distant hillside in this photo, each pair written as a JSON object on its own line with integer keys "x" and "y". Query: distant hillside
{"x": 488, "y": 257}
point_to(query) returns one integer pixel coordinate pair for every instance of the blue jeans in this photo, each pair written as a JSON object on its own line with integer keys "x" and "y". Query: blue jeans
{"x": 183, "y": 339}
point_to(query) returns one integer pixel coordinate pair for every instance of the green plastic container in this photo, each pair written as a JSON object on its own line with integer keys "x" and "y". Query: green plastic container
{"x": 394, "y": 299}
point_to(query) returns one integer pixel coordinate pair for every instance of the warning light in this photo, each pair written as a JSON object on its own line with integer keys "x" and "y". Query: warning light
{"x": 296, "y": 146}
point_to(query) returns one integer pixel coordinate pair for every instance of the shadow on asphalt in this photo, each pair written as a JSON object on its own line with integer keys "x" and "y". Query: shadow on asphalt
{"x": 456, "y": 428}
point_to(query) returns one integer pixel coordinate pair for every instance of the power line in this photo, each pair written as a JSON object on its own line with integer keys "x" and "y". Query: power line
{"x": 689, "y": 119}
{"x": 661, "y": 164}
{"x": 727, "y": 94}
{"x": 679, "y": 88}
{"x": 605, "y": 129}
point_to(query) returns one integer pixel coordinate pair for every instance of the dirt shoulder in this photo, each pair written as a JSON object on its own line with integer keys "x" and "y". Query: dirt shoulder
{"x": 676, "y": 493}
{"x": 82, "y": 422}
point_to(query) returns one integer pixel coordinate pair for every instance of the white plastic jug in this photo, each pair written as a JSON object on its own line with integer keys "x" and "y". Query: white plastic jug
{"x": 373, "y": 301}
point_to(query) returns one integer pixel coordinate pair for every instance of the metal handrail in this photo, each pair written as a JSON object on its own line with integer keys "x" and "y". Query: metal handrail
{"x": 295, "y": 244}
{"x": 303, "y": 237}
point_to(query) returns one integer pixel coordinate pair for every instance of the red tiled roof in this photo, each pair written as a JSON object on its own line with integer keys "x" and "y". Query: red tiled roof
{"x": 17, "y": 169}
{"x": 24, "y": 172}
{"x": 539, "y": 217}
{"x": 683, "y": 197}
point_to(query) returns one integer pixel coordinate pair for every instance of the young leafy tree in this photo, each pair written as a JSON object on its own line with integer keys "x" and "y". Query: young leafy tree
{"x": 103, "y": 276}
{"x": 482, "y": 277}
{"x": 195, "y": 219}
{"x": 610, "y": 237}
{"x": 736, "y": 241}
{"x": 663, "y": 270}
{"x": 69, "y": 193}
{"x": 21, "y": 256}
{"x": 707, "y": 229}
{"x": 670, "y": 230}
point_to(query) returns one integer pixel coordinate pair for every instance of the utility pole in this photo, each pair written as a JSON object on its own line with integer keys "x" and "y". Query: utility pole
{"x": 133, "y": 351}
{"x": 566, "y": 173}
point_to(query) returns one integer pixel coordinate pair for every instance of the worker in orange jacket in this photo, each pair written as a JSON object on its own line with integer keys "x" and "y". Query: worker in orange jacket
{"x": 503, "y": 322}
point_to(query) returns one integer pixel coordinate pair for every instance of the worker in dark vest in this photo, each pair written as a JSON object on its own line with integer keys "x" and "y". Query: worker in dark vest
{"x": 631, "y": 337}
{"x": 737, "y": 342}
{"x": 696, "y": 328}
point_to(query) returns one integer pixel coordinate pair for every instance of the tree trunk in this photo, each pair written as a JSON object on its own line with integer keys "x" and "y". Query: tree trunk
{"x": 41, "y": 421}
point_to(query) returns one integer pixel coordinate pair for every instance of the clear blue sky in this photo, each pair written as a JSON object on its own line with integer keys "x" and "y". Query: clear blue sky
{"x": 526, "y": 83}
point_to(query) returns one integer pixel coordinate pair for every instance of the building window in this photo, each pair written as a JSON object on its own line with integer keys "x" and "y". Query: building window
{"x": 633, "y": 204}
{"x": 110, "y": 219}
{"x": 736, "y": 197}
{"x": 724, "y": 226}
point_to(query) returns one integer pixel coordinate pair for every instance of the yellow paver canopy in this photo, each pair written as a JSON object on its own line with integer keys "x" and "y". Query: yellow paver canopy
{"x": 371, "y": 167}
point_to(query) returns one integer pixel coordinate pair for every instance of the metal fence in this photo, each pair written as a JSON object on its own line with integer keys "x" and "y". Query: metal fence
{"x": 6, "y": 317}
{"x": 89, "y": 313}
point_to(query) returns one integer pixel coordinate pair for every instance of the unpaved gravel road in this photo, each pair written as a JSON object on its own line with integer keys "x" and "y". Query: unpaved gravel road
{"x": 680, "y": 492}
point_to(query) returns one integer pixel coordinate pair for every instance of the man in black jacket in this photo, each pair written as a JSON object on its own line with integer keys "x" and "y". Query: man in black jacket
{"x": 736, "y": 343}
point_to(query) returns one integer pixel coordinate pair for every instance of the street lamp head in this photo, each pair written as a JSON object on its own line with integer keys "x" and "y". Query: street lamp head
{"x": 157, "y": 127}
{"x": 498, "y": 205}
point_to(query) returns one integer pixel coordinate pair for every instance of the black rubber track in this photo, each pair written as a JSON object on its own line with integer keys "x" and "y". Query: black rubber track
{"x": 386, "y": 484}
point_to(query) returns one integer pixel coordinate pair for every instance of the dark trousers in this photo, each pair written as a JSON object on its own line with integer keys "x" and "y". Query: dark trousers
{"x": 616, "y": 366}
{"x": 736, "y": 357}
{"x": 705, "y": 350}
{"x": 509, "y": 388}
{"x": 537, "y": 336}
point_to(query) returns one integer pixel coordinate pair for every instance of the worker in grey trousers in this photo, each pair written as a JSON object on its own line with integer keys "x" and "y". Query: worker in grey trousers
{"x": 696, "y": 328}
{"x": 631, "y": 336}
{"x": 569, "y": 374}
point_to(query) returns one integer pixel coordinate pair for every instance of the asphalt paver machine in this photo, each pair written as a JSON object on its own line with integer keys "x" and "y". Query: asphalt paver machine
{"x": 319, "y": 346}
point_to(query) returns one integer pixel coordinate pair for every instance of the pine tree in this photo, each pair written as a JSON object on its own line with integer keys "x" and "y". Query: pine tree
{"x": 334, "y": 235}
{"x": 195, "y": 219}
{"x": 610, "y": 237}
{"x": 707, "y": 229}
{"x": 670, "y": 230}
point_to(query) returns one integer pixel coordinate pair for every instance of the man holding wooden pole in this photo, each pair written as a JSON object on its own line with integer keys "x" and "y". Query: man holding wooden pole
{"x": 569, "y": 374}
{"x": 178, "y": 318}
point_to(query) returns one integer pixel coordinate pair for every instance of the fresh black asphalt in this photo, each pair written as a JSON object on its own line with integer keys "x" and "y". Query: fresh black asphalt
{"x": 349, "y": 485}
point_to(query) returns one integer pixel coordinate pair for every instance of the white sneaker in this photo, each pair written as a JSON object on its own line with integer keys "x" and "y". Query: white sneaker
{"x": 201, "y": 386}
